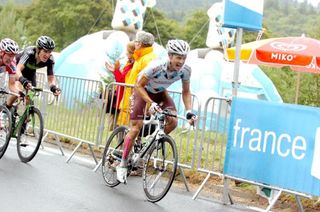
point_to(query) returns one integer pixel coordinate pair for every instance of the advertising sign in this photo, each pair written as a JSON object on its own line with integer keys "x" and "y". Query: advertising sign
{"x": 246, "y": 14}
{"x": 276, "y": 144}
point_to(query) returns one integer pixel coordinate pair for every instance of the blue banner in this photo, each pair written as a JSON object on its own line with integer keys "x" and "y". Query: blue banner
{"x": 275, "y": 144}
{"x": 245, "y": 14}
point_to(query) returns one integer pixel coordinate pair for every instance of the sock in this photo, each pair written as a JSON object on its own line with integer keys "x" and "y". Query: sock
{"x": 126, "y": 150}
{"x": 124, "y": 163}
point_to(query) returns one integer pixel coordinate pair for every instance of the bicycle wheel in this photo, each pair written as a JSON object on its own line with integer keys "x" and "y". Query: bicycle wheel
{"x": 112, "y": 155}
{"x": 5, "y": 129}
{"x": 160, "y": 169}
{"x": 30, "y": 135}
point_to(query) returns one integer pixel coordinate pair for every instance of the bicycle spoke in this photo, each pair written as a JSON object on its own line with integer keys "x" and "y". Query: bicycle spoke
{"x": 5, "y": 129}
{"x": 160, "y": 169}
{"x": 112, "y": 156}
{"x": 30, "y": 135}
{"x": 156, "y": 180}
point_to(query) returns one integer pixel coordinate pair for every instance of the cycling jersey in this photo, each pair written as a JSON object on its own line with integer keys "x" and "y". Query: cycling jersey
{"x": 4, "y": 72}
{"x": 11, "y": 69}
{"x": 161, "y": 78}
{"x": 28, "y": 59}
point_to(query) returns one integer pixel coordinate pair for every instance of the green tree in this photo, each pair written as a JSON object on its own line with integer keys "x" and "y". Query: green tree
{"x": 66, "y": 20}
{"x": 196, "y": 29}
{"x": 161, "y": 27}
{"x": 11, "y": 27}
{"x": 285, "y": 81}
{"x": 309, "y": 87}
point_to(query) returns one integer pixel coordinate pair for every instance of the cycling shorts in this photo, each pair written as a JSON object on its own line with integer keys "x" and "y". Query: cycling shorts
{"x": 138, "y": 105}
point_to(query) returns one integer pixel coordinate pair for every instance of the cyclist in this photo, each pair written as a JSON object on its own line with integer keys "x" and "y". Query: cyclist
{"x": 151, "y": 88}
{"x": 8, "y": 50}
{"x": 34, "y": 57}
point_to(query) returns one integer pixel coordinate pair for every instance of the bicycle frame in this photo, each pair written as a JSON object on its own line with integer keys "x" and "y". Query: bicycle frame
{"x": 160, "y": 121}
{"x": 29, "y": 100}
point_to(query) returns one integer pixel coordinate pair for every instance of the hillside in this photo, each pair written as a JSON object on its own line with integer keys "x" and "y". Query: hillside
{"x": 282, "y": 18}
{"x": 179, "y": 9}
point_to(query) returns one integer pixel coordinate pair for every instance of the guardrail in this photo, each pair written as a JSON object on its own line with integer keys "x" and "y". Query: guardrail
{"x": 81, "y": 114}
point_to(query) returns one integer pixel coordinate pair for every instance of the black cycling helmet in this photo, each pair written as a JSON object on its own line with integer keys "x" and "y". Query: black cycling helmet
{"x": 45, "y": 42}
{"x": 9, "y": 46}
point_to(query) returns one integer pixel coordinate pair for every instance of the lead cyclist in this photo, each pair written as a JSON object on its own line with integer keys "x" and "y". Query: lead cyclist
{"x": 151, "y": 88}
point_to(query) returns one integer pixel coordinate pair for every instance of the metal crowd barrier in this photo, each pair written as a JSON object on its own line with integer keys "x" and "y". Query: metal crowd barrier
{"x": 77, "y": 113}
{"x": 213, "y": 138}
{"x": 81, "y": 114}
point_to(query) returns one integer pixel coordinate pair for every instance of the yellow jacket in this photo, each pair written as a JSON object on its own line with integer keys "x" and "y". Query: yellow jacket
{"x": 141, "y": 59}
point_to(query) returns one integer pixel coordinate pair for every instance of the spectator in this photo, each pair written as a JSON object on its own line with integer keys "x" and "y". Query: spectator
{"x": 142, "y": 55}
{"x": 120, "y": 77}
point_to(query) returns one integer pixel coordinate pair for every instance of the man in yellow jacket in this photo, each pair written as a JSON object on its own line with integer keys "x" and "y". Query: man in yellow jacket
{"x": 142, "y": 55}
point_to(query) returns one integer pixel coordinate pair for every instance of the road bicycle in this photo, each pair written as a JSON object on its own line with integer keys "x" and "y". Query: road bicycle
{"x": 158, "y": 154}
{"x": 5, "y": 127}
{"x": 26, "y": 127}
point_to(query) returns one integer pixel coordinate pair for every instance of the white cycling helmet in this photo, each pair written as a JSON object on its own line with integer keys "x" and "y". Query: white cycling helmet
{"x": 179, "y": 47}
{"x": 9, "y": 46}
{"x": 45, "y": 42}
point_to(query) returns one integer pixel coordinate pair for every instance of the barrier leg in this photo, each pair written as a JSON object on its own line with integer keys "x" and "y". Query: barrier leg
{"x": 97, "y": 166}
{"x": 184, "y": 178}
{"x": 57, "y": 140}
{"x": 273, "y": 201}
{"x": 226, "y": 195}
{"x": 43, "y": 137}
{"x": 92, "y": 153}
{"x": 74, "y": 151}
{"x": 201, "y": 186}
{"x": 300, "y": 206}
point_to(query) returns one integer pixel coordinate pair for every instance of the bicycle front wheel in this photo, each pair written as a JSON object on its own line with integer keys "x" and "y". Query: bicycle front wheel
{"x": 30, "y": 135}
{"x": 5, "y": 129}
{"x": 112, "y": 155}
{"x": 160, "y": 169}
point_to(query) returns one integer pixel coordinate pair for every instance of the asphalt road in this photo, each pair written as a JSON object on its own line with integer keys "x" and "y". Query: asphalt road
{"x": 48, "y": 184}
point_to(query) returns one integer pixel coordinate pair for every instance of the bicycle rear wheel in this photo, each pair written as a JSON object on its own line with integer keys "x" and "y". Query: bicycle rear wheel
{"x": 5, "y": 129}
{"x": 30, "y": 135}
{"x": 112, "y": 155}
{"x": 160, "y": 169}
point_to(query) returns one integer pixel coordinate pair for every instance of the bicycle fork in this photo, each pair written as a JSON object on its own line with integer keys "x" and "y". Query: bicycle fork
{"x": 162, "y": 166}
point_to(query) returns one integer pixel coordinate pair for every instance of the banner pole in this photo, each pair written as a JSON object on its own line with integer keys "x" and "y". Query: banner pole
{"x": 235, "y": 83}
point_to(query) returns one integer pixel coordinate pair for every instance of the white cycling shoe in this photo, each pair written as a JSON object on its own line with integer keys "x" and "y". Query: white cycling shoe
{"x": 122, "y": 174}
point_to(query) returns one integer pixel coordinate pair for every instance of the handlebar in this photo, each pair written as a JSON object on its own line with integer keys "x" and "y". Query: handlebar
{"x": 35, "y": 90}
{"x": 5, "y": 91}
{"x": 155, "y": 117}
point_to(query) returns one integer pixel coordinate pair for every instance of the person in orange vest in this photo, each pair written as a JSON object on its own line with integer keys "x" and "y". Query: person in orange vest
{"x": 142, "y": 55}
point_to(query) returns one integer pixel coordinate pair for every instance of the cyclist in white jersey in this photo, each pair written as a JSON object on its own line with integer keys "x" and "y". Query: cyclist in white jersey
{"x": 151, "y": 88}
